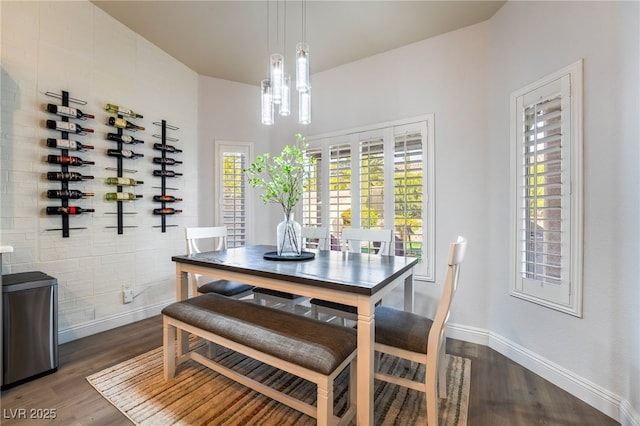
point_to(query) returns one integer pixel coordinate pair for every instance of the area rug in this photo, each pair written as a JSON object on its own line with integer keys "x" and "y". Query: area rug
{"x": 199, "y": 396}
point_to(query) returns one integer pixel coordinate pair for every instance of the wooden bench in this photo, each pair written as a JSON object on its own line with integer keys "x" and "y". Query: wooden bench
{"x": 308, "y": 348}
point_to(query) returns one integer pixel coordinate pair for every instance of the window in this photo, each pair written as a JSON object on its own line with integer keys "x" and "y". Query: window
{"x": 231, "y": 191}
{"x": 547, "y": 191}
{"x": 376, "y": 177}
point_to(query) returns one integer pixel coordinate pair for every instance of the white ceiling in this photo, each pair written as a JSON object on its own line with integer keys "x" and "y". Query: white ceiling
{"x": 230, "y": 39}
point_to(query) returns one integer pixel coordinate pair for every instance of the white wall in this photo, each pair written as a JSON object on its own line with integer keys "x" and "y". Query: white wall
{"x": 74, "y": 46}
{"x": 527, "y": 41}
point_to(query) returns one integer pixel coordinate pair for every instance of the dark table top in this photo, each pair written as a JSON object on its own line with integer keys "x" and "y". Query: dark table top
{"x": 350, "y": 272}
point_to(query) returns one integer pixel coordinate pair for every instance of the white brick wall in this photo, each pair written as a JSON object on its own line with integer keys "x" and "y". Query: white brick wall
{"x": 75, "y": 46}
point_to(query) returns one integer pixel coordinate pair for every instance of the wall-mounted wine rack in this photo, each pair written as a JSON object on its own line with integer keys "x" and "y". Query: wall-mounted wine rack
{"x": 118, "y": 136}
{"x": 64, "y": 144}
{"x": 165, "y": 173}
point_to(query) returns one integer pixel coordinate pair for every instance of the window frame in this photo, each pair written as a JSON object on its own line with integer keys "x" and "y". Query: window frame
{"x": 567, "y": 296}
{"x": 353, "y": 137}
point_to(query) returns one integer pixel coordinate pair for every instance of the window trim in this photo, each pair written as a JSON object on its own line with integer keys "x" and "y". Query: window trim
{"x": 351, "y": 136}
{"x": 575, "y": 146}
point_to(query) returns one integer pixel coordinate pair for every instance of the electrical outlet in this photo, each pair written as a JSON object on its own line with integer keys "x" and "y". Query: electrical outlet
{"x": 127, "y": 295}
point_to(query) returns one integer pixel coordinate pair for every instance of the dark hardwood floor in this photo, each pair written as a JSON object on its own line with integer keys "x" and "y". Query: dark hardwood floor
{"x": 502, "y": 392}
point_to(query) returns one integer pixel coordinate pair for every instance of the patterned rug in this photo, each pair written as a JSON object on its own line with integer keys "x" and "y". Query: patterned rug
{"x": 200, "y": 396}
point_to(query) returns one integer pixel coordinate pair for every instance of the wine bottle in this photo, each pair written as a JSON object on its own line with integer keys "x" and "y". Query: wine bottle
{"x": 166, "y": 173}
{"x": 68, "y": 144}
{"x": 71, "y": 210}
{"x": 166, "y": 198}
{"x": 68, "y": 194}
{"x": 65, "y": 126}
{"x": 125, "y": 153}
{"x": 124, "y": 111}
{"x": 123, "y": 138}
{"x": 67, "y": 176}
{"x": 67, "y": 160}
{"x": 123, "y": 124}
{"x": 68, "y": 111}
{"x": 168, "y": 148}
{"x": 121, "y": 196}
{"x": 166, "y": 211}
{"x": 123, "y": 181}
{"x": 160, "y": 160}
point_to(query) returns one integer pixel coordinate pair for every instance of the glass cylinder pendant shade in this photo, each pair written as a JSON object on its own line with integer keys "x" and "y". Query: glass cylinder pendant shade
{"x": 277, "y": 76}
{"x": 266, "y": 102}
{"x": 285, "y": 103}
{"x": 304, "y": 106}
{"x": 302, "y": 66}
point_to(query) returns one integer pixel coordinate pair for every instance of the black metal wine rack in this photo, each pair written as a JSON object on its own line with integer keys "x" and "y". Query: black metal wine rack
{"x": 64, "y": 184}
{"x": 163, "y": 188}
{"x": 119, "y": 169}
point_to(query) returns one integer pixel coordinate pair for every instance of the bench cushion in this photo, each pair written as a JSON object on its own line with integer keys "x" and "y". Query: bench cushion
{"x": 307, "y": 342}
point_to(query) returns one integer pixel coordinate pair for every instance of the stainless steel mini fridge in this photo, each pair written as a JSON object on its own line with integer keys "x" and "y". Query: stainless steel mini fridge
{"x": 29, "y": 327}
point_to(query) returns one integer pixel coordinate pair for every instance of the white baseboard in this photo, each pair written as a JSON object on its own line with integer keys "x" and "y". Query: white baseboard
{"x": 107, "y": 323}
{"x": 602, "y": 399}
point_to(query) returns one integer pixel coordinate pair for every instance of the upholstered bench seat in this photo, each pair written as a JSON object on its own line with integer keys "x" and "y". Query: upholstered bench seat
{"x": 311, "y": 349}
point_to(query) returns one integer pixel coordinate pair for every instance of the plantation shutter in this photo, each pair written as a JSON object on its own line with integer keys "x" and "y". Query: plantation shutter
{"x": 339, "y": 190}
{"x": 543, "y": 224}
{"x": 372, "y": 175}
{"x": 233, "y": 193}
{"x": 409, "y": 198}
{"x": 311, "y": 206}
{"x": 378, "y": 177}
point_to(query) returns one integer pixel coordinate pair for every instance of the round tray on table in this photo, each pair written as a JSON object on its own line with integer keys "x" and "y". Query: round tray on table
{"x": 273, "y": 255}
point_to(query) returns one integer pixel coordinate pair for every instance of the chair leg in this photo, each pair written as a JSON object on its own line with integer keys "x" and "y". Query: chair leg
{"x": 212, "y": 349}
{"x": 314, "y": 312}
{"x": 442, "y": 373}
{"x": 353, "y": 368}
{"x": 169, "y": 337}
{"x": 431, "y": 392}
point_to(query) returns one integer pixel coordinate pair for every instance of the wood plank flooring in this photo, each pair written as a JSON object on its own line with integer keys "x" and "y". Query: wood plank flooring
{"x": 502, "y": 392}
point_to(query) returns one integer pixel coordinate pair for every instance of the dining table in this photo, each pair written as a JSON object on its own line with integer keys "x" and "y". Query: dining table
{"x": 355, "y": 279}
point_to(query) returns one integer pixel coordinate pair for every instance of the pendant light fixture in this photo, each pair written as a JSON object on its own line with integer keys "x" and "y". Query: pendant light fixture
{"x": 285, "y": 101}
{"x": 277, "y": 89}
{"x": 267, "y": 103}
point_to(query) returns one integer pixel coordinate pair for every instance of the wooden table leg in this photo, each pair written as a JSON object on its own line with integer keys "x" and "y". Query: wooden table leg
{"x": 366, "y": 335}
{"x": 408, "y": 293}
{"x": 182, "y": 293}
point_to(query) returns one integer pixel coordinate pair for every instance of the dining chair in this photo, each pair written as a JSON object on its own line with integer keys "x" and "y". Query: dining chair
{"x": 419, "y": 339}
{"x": 380, "y": 242}
{"x": 217, "y": 235}
{"x": 317, "y": 238}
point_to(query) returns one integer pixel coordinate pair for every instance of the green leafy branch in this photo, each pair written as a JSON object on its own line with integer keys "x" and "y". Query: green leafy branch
{"x": 282, "y": 177}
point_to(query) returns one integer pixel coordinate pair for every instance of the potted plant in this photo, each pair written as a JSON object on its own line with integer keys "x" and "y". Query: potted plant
{"x": 283, "y": 180}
